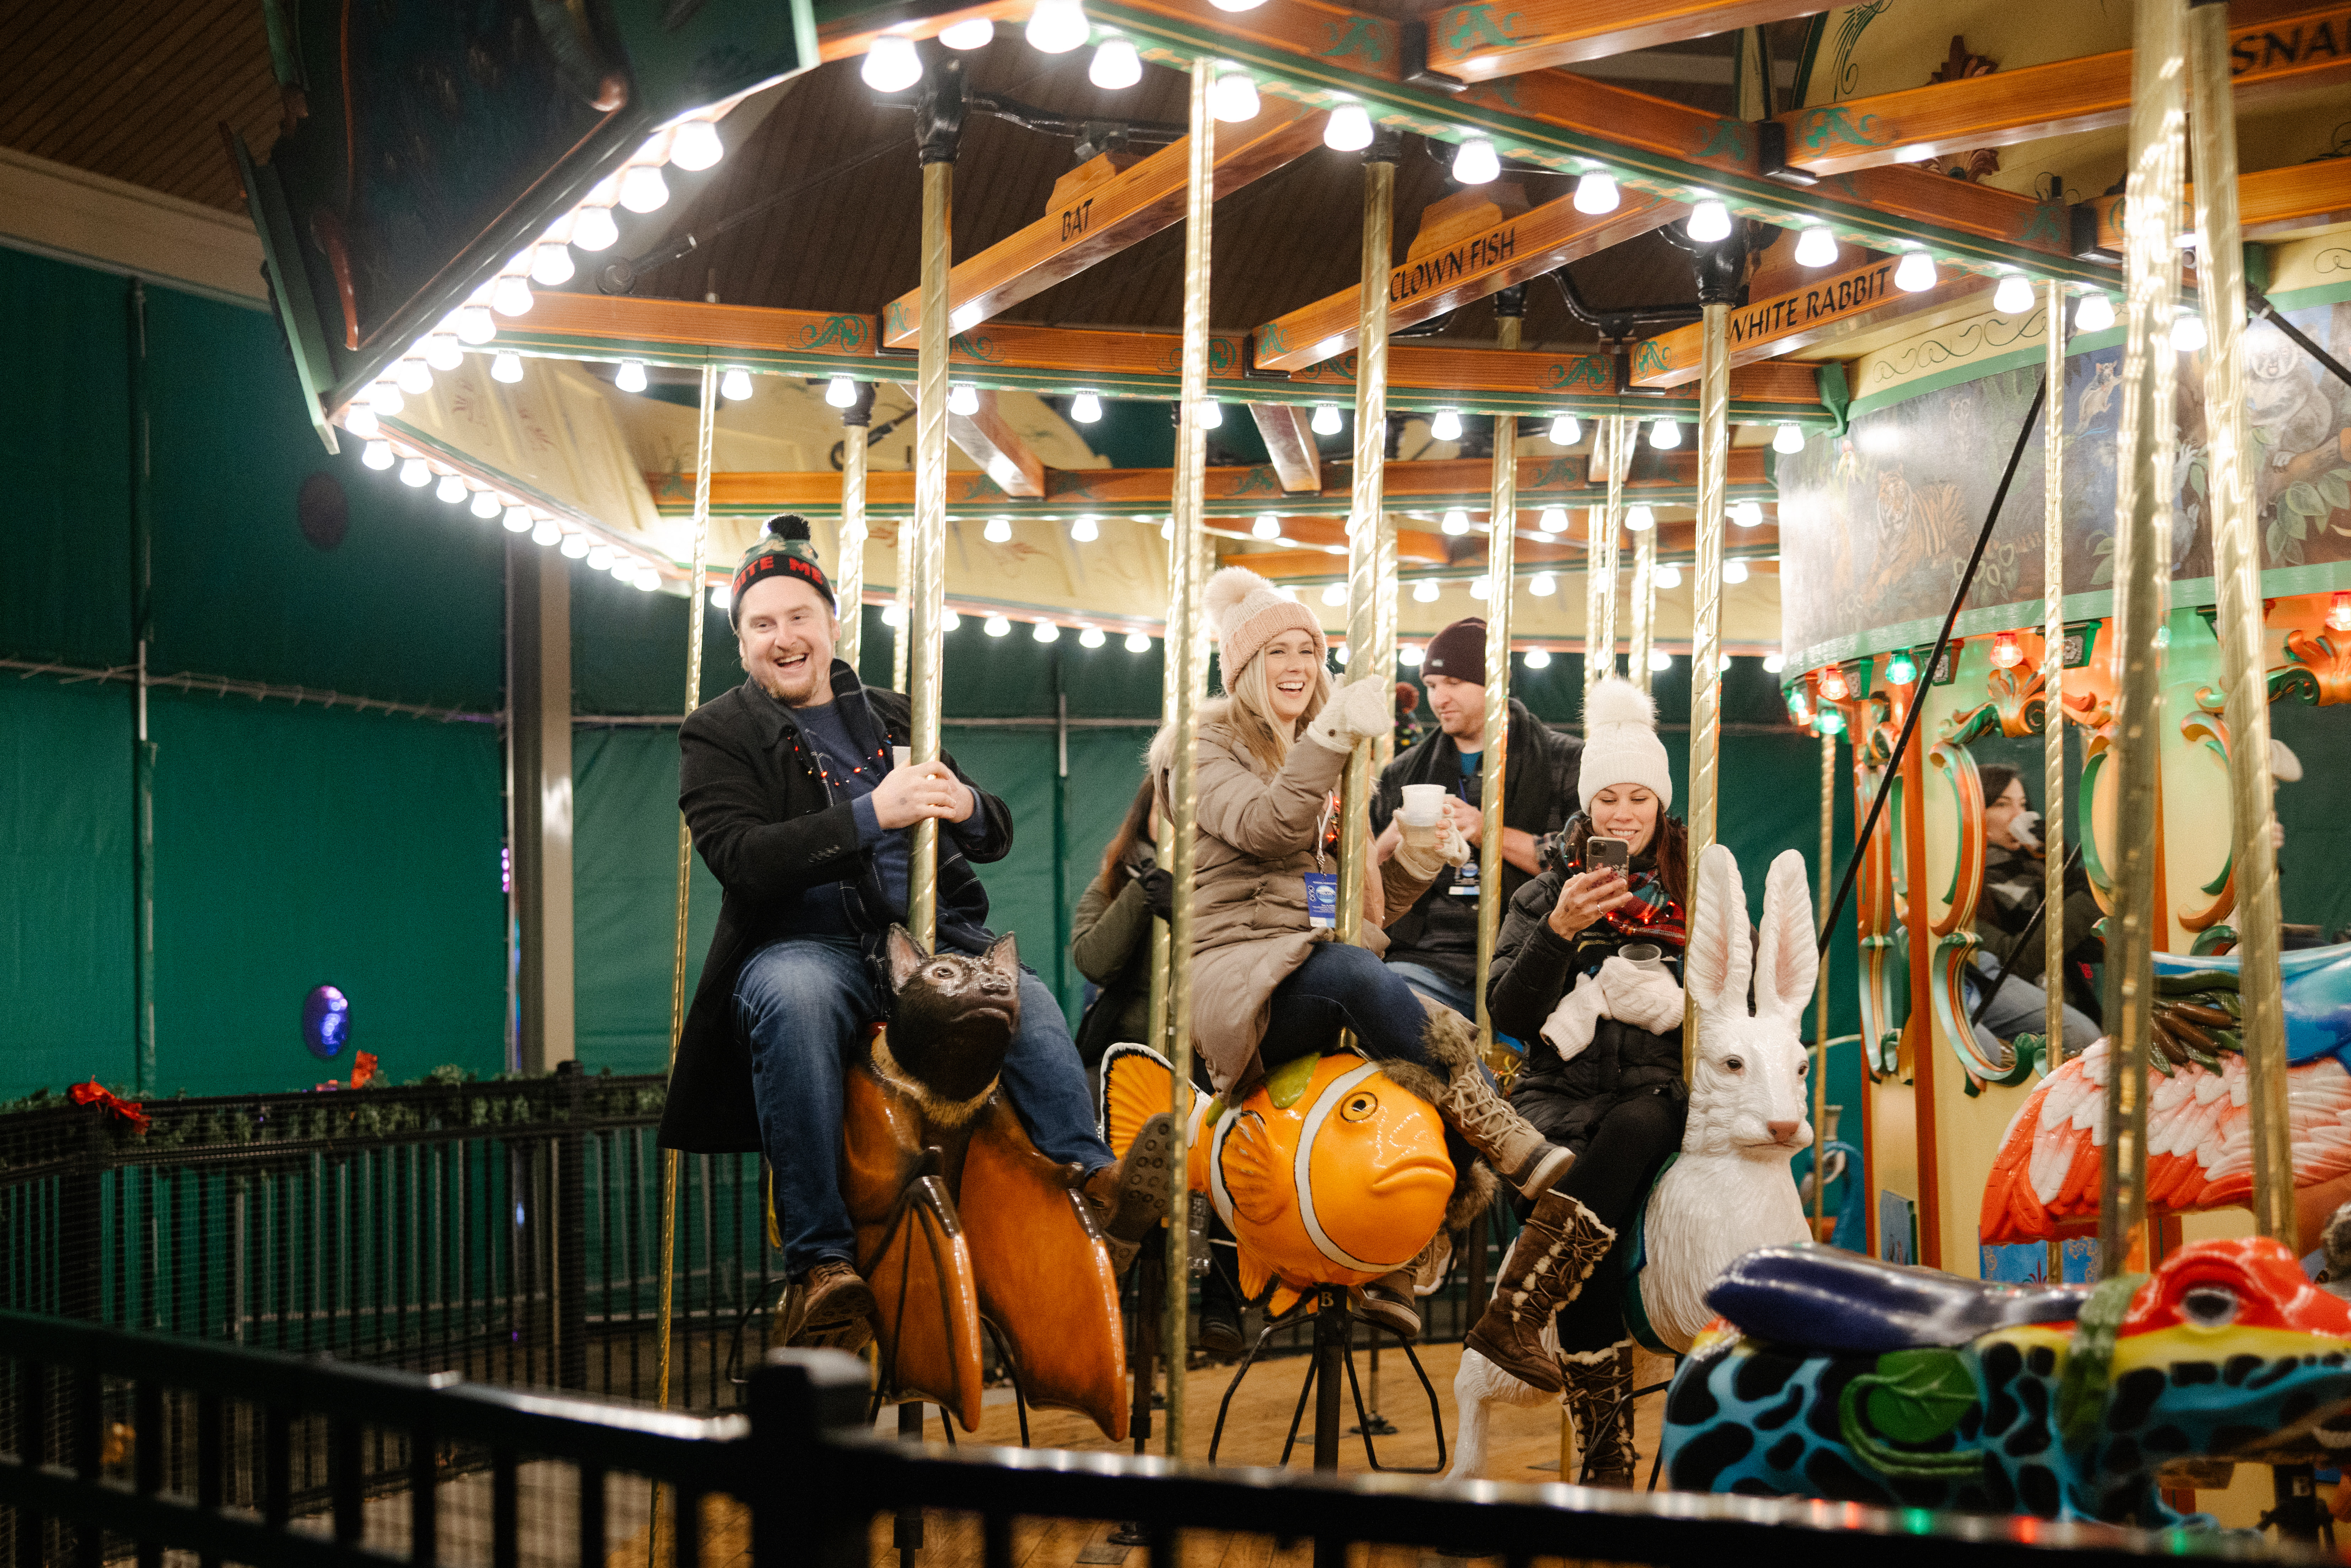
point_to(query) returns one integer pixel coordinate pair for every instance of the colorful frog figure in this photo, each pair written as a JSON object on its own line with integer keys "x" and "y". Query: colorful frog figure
{"x": 1838, "y": 1377}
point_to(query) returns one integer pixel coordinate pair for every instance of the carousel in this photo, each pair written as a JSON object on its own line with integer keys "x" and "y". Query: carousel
{"x": 1977, "y": 388}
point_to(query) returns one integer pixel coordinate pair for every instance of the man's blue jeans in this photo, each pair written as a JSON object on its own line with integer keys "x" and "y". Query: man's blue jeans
{"x": 1435, "y": 986}
{"x": 802, "y": 1004}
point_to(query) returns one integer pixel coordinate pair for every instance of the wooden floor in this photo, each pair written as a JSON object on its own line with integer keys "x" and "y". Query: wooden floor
{"x": 1524, "y": 1446}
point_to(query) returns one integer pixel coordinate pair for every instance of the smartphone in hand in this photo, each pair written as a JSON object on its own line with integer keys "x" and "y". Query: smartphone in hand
{"x": 1609, "y": 854}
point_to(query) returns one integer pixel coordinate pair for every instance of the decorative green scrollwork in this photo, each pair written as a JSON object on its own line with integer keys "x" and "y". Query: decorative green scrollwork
{"x": 1360, "y": 38}
{"x": 1467, "y": 27}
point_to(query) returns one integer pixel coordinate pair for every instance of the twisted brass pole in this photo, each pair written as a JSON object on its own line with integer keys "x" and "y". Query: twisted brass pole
{"x": 1644, "y": 592}
{"x": 2143, "y": 498}
{"x": 924, "y": 554}
{"x": 1608, "y": 439}
{"x": 2220, "y": 281}
{"x": 1500, "y": 554}
{"x": 848, "y": 575}
{"x": 1364, "y": 521}
{"x": 2053, "y": 681}
{"x": 1821, "y": 1018}
{"x": 1706, "y": 613}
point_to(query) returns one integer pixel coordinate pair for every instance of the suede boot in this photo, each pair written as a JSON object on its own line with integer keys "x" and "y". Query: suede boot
{"x": 1599, "y": 1397}
{"x": 1561, "y": 1244}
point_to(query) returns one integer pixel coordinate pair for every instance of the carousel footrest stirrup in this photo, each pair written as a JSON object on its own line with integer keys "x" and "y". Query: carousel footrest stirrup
{"x": 1827, "y": 1298}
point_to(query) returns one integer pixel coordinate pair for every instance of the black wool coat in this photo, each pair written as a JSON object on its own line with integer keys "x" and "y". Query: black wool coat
{"x": 766, "y": 826}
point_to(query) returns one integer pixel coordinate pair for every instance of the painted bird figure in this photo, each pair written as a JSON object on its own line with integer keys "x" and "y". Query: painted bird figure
{"x": 2199, "y": 1133}
{"x": 1328, "y": 1173}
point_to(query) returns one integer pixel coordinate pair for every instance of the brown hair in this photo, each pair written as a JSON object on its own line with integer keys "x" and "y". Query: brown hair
{"x": 1136, "y": 825}
{"x": 1670, "y": 845}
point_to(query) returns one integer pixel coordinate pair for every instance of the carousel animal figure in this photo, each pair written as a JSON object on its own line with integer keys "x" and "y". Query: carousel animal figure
{"x": 960, "y": 1221}
{"x": 1728, "y": 1190}
{"x": 2045, "y": 1178}
{"x": 1835, "y": 1377}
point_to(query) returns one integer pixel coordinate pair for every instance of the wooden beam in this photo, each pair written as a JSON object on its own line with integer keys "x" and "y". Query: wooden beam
{"x": 1838, "y": 307}
{"x": 1480, "y": 41}
{"x": 1095, "y": 218}
{"x": 1290, "y": 443}
{"x": 2309, "y": 47}
{"x": 1446, "y": 279}
{"x": 989, "y": 441}
{"x": 847, "y": 36}
{"x": 2272, "y": 203}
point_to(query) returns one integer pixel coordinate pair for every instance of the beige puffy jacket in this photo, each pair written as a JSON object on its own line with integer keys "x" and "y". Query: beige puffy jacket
{"x": 1253, "y": 845}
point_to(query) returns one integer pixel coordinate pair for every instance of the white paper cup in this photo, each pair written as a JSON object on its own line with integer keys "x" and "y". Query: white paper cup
{"x": 902, "y": 756}
{"x": 1423, "y": 804}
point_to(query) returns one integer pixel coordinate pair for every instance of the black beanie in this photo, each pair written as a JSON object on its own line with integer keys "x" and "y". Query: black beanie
{"x": 783, "y": 546}
{"x": 1458, "y": 652}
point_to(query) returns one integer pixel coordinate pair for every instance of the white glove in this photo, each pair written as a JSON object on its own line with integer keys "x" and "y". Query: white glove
{"x": 1569, "y": 1027}
{"x": 1645, "y": 998}
{"x": 1360, "y": 710}
{"x": 1424, "y": 851}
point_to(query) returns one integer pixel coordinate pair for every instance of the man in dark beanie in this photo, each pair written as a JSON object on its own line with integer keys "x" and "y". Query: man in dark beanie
{"x": 1434, "y": 945}
{"x": 788, "y": 786}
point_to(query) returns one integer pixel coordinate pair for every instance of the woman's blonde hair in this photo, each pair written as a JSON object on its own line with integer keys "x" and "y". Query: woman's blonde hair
{"x": 1252, "y": 714}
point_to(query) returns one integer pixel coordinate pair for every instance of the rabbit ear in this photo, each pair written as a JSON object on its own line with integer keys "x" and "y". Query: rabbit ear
{"x": 1787, "y": 960}
{"x": 1715, "y": 968}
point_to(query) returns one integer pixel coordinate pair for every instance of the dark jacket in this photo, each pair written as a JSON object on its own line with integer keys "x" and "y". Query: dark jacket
{"x": 1533, "y": 967}
{"x": 768, "y": 828}
{"x": 1539, "y": 787}
{"x": 2013, "y": 889}
{"x": 1110, "y": 939}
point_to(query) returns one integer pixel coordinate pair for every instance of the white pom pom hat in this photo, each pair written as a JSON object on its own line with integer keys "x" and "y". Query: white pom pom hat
{"x": 1248, "y": 613}
{"x": 1621, "y": 744}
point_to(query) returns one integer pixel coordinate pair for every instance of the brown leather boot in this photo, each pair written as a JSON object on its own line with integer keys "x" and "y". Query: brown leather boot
{"x": 1519, "y": 1155}
{"x": 1561, "y": 1244}
{"x": 1130, "y": 1196}
{"x": 1388, "y": 1301}
{"x": 827, "y": 1308}
{"x": 1599, "y": 1397}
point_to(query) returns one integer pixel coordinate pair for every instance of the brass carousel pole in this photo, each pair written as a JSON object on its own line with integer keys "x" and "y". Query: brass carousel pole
{"x": 1183, "y": 653}
{"x": 2143, "y": 500}
{"x": 2220, "y": 281}
{"x": 1618, "y": 431}
{"x": 898, "y": 634}
{"x": 2053, "y": 681}
{"x": 1820, "y": 1019}
{"x": 1717, "y": 275}
{"x": 1365, "y": 524}
{"x": 922, "y": 550}
{"x": 1501, "y": 549}
{"x": 1644, "y": 614}
{"x": 696, "y": 600}
{"x": 849, "y": 578}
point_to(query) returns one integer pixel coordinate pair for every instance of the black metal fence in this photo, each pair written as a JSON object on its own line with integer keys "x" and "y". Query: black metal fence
{"x": 115, "y": 1445}
{"x": 504, "y": 1232}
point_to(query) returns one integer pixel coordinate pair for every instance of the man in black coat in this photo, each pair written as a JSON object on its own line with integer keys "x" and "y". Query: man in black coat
{"x": 787, "y": 786}
{"x": 1435, "y": 945}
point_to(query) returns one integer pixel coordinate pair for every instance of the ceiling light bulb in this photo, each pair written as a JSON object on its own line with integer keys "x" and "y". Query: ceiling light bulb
{"x": 840, "y": 393}
{"x": 511, "y": 294}
{"x": 1665, "y": 434}
{"x": 890, "y": 64}
{"x": 647, "y": 579}
{"x": 1734, "y": 571}
{"x": 360, "y": 420}
{"x": 442, "y": 351}
{"x": 1660, "y": 660}
{"x": 1816, "y": 247}
{"x": 975, "y": 33}
{"x": 505, "y": 367}
{"x": 1747, "y": 514}
{"x": 1596, "y": 193}
{"x": 517, "y": 521}
{"x": 551, "y": 263}
{"x": 1237, "y": 5}
{"x": 474, "y": 324}
{"x": 1788, "y": 438}
{"x": 1774, "y": 663}
{"x": 451, "y": 490}
{"x": 1476, "y": 163}
{"x": 1446, "y": 425}
{"x": 1552, "y": 519}
{"x": 1708, "y": 222}
{"x": 592, "y": 228}
{"x": 1543, "y": 585}
{"x": 1267, "y": 527}
{"x": 642, "y": 189}
{"x": 1538, "y": 659}
{"x": 486, "y": 505}
{"x": 1425, "y": 591}
{"x": 1831, "y": 722}
{"x": 384, "y": 397}
{"x": 1479, "y": 588}
{"x": 2096, "y": 313}
{"x": 1457, "y": 521}
{"x": 574, "y": 546}
{"x": 377, "y": 455}
{"x": 949, "y": 621}
{"x": 695, "y": 146}
{"x": 734, "y": 386}
{"x": 2014, "y": 295}
{"x": 1138, "y": 641}
{"x": 1234, "y": 98}
{"x": 1091, "y": 637}
{"x": 1084, "y": 531}
{"x": 600, "y": 558}
{"x": 1335, "y": 594}
{"x": 414, "y": 377}
{"x": 963, "y": 398}
{"x": 1639, "y": 518}
{"x": 1057, "y": 27}
{"x": 1899, "y": 670}
{"x": 998, "y": 531}
{"x": 547, "y": 531}
{"x": 624, "y": 565}
{"x": 1566, "y": 430}
{"x": 630, "y": 377}
{"x": 1046, "y": 631}
{"x": 720, "y": 596}
{"x": 1085, "y": 408}
{"x": 1326, "y": 419}
{"x": 1212, "y": 414}
{"x": 1833, "y": 683}
{"x": 414, "y": 474}
{"x": 2188, "y": 334}
{"x": 894, "y": 616}
{"x": 1916, "y": 273}
{"x": 1668, "y": 576}
{"x": 1339, "y": 652}
{"x": 1115, "y": 65}
{"x": 1349, "y": 129}
{"x": 1410, "y": 654}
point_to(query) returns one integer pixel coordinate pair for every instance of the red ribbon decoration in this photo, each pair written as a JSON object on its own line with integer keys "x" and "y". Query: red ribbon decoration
{"x": 96, "y": 1093}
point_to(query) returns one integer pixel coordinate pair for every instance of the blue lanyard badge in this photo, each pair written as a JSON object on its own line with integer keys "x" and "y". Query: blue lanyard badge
{"x": 1321, "y": 886}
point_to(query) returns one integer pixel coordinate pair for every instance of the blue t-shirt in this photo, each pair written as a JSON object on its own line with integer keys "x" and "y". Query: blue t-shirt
{"x": 852, "y": 771}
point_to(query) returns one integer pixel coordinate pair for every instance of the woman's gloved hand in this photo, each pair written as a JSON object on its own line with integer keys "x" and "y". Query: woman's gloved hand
{"x": 1360, "y": 710}
{"x": 1159, "y": 892}
{"x": 1569, "y": 1028}
{"x": 1423, "y": 852}
{"x": 1645, "y": 998}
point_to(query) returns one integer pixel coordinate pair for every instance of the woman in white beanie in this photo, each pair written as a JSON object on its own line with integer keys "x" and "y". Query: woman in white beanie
{"x": 1271, "y": 983}
{"x": 1604, "y": 1070}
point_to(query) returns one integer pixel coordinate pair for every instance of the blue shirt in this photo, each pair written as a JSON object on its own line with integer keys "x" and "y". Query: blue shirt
{"x": 852, "y": 771}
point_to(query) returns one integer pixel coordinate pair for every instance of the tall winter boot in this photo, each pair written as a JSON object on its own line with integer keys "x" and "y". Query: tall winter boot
{"x": 1561, "y": 1244}
{"x": 1600, "y": 1398}
{"x": 1465, "y": 1098}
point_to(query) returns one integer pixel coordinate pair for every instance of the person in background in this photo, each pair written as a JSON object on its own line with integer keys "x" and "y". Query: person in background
{"x": 1434, "y": 946}
{"x": 1110, "y": 938}
{"x": 2014, "y": 887}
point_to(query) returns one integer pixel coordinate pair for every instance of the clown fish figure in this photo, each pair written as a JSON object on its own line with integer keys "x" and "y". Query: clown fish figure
{"x": 1328, "y": 1173}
